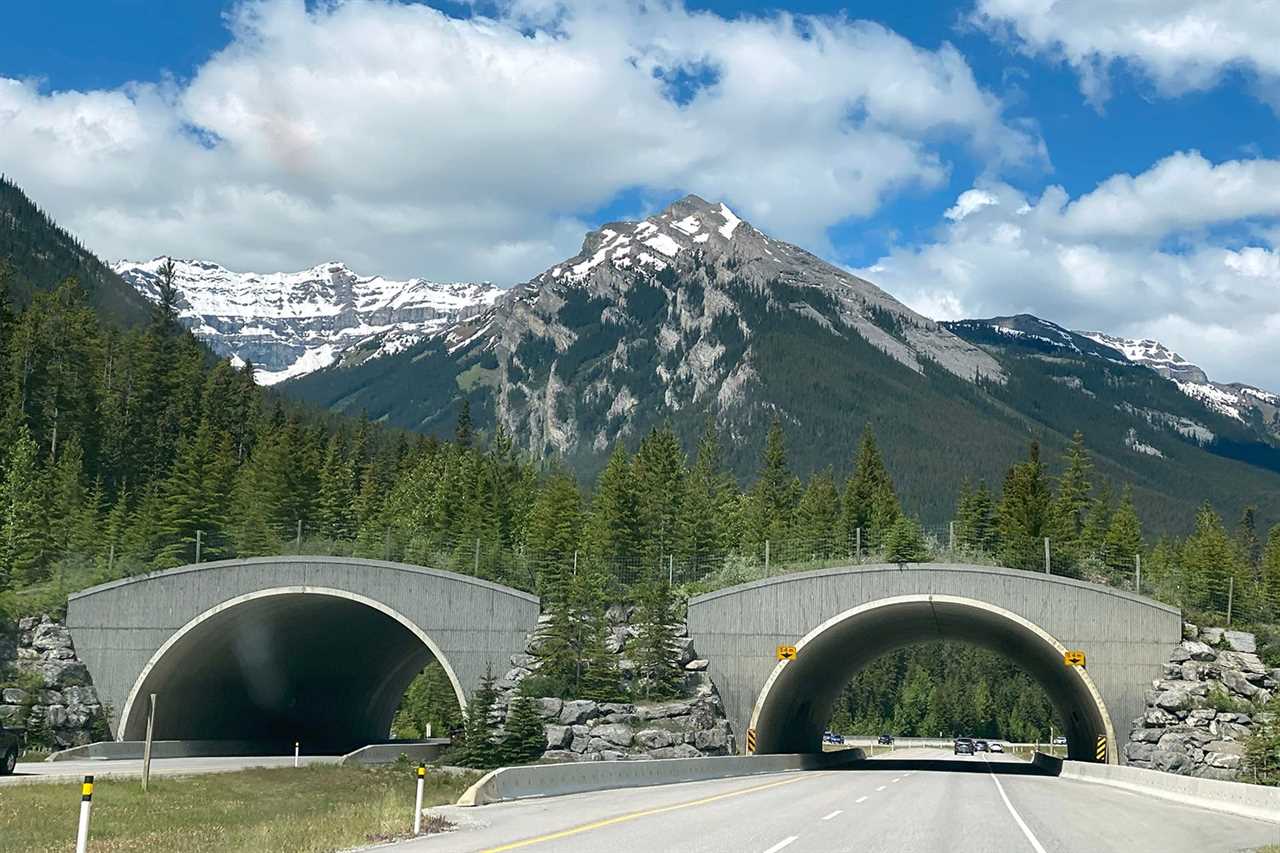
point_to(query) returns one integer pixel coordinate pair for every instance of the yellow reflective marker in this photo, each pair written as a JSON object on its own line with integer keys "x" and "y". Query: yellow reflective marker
{"x": 786, "y": 652}
{"x": 86, "y": 790}
{"x": 751, "y": 741}
{"x": 1101, "y": 751}
{"x": 1073, "y": 658}
{"x": 422, "y": 771}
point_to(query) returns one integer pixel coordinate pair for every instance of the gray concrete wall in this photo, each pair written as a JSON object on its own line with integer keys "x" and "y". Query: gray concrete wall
{"x": 1127, "y": 638}
{"x": 118, "y": 627}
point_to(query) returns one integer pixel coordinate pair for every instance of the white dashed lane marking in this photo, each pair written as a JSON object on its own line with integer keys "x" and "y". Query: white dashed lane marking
{"x": 861, "y": 799}
{"x": 833, "y": 814}
{"x": 783, "y": 843}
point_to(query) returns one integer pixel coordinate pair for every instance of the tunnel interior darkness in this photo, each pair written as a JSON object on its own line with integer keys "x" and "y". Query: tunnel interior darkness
{"x": 323, "y": 670}
{"x": 796, "y": 702}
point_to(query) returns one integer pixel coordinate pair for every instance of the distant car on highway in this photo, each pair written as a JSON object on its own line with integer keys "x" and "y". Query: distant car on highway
{"x": 886, "y": 739}
{"x": 10, "y": 742}
{"x": 980, "y": 746}
{"x": 995, "y": 747}
{"x": 1060, "y": 740}
{"x": 964, "y": 746}
{"x": 832, "y": 737}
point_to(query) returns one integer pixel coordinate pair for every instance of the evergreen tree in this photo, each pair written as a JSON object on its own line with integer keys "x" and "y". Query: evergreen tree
{"x": 1250, "y": 545}
{"x": 654, "y": 649}
{"x": 335, "y": 504}
{"x": 1093, "y": 537}
{"x": 1024, "y": 513}
{"x": 197, "y": 499}
{"x": 478, "y": 747}
{"x": 904, "y": 543}
{"x": 773, "y": 496}
{"x": 1210, "y": 559}
{"x": 554, "y": 530}
{"x": 976, "y": 521}
{"x": 818, "y": 518}
{"x": 704, "y": 519}
{"x": 1271, "y": 573}
{"x": 660, "y": 483}
{"x": 612, "y": 528}
{"x": 1124, "y": 536}
{"x": 429, "y": 704}
{"x": 523, "y": 740}
{"x": 598, "y": 677}
{"x": 24, "y": 536}
{"x": 462, "y": 432}
{"x": 870, "y": 501}
{"x": 1071, "y": 503}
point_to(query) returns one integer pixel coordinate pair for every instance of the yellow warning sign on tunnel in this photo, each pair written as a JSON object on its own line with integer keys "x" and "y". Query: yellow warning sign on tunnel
{"x": 786, "y": 652}
{"x": 1074, "y": 657}
{"x": 751, "y": 741}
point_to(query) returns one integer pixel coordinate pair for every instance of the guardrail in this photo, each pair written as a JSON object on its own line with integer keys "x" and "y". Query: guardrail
{"x": 1238, "y": 798}
{"x": 550, "y": 780}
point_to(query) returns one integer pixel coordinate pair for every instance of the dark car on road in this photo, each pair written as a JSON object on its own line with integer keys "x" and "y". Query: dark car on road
{"x": 10, "y": 743}
{"x": 832, "y": 737}
{"x": 964, "y": 746}
{"x": 885, "y": 739}
{"x": 980, "y": 745}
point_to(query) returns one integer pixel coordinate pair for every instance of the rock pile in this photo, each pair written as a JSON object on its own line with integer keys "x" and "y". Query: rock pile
{"x": 582, "y": 730}
{"x": 50, "y": 695}
{"x": 1200, "y": 714}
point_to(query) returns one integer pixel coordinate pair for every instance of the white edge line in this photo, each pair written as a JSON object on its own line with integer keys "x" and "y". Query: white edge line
{"x": 783, "y": 843}
{"x": 1017, "y": 817}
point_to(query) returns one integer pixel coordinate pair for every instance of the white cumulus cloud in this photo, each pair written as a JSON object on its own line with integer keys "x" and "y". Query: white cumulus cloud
{"x": 1180, "y": 45}
{"x": 409, "y": 142}
{"x": 1186, "y": 252}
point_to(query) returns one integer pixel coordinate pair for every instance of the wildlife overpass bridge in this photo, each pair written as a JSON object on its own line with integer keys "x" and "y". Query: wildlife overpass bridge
{"x": 278, "y": 649}
{"x": 839, "y": 620}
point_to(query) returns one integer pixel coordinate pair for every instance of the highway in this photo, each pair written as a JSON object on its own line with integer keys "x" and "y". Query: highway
{"x": 42, "y": 771}
{"x": 916, "y": 801}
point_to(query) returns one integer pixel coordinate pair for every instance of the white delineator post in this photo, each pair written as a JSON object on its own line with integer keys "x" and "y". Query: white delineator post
{"x": 417, "y": 800}
{"x": 146, "y": 747}
{"x": 86, "y": 805}
{"x": 296, "y": 751}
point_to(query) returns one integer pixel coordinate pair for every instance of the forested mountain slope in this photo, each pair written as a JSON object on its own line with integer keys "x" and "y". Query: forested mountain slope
{"x": 40, "y": 255}
{"x": 694, "y": 312}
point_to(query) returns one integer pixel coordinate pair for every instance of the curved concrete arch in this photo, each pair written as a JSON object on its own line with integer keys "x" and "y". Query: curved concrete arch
{"x": 324, "y": 641}
{"x": 130, "y": 727}
{"x": 796, "y": 700}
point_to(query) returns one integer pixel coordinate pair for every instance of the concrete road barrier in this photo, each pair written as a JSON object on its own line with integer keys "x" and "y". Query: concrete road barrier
{"x": 424, "y": 751}
{"x": 549, "y": 780}
{"x": 132, "y": 749}
{"x": 1238, "y": 798}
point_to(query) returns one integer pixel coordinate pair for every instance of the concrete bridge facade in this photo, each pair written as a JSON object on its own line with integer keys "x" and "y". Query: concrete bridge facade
{"x": 842, "y": 619}
{"x": 317, "y": 649}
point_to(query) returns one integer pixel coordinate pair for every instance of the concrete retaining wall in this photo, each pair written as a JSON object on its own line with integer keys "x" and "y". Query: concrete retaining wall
{"x": 419, "y": 752}
{"x": 549, "y": 780}
{"x": 132, "y": 749}
{"x": 1238, "y": 798}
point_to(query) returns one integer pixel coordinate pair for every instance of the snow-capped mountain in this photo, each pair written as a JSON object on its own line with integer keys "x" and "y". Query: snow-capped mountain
{"x": 1234, "y": 399}
{"x": 290, "y": 324}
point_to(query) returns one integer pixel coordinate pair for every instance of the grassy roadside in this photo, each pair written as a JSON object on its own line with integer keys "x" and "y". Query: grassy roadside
{"x": 318, "y": 808}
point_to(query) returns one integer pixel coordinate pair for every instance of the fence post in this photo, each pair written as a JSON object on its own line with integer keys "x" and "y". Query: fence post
{"x": 952, "y": 536}
{"x": 575, "y": 564}
{"x": 766, "y": 557}
{"x": 199, "y": 536}
{"x": 1231, "y": 594}
{"x": 858, "y": 533}
{"x": 1137, "y": 559}
{"x": 476, "y": 569}
{"x": 386, "y": 544}
{"x": 146, "y": 747}
{"x": 86, "y": 805}
{"x": 1046, "y": 556}
{"x": 111, "y": 559}
{"x": 299, "y": 536}
{"x": 671, "y": 570}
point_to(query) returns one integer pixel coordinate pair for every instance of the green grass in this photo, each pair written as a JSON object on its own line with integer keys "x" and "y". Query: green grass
{"x": 320, "y": 808}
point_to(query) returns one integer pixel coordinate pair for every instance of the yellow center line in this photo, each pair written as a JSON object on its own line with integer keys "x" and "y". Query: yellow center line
{"x": 588, "y": 827}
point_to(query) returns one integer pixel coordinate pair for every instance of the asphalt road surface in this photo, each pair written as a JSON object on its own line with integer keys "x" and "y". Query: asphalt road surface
{"x": 917, "y": 801}
{"x": 48, "y": 771}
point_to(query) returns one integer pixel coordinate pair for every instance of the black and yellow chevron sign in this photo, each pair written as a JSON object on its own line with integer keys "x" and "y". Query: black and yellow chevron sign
{"x": 1102, "y": 748}
{"x": 1073, "y": 658}
{"x": 751, "y": 741}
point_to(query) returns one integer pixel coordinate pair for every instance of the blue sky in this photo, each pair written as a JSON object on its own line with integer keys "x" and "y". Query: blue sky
{"x": 1062, "y": 135}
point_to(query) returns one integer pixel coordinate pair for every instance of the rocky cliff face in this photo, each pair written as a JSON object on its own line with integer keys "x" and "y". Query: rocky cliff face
{"x": 581, "y": 730}
{"x": 49, "y": 694}
{"x": 1201, "y": 713}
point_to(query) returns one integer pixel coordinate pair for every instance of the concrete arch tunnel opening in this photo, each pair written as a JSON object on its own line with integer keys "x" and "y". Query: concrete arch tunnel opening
{"x": 322, "y": 667}
{"x": 796, "y": 701}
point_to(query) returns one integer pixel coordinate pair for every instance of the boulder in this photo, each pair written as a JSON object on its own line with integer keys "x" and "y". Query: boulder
{"x": 1176, "y": 699}
{"x": 581, "y": 740}
{"x": 559, "y": 756}
{"x": 1198, "y": 651}
{"x": 55, "y": 716}
{"x": 653, "y": 739}
{"x": 607, "y": 708}
{"x": 616, "y": 640}
{"x": 558, "y": 737}
{"x": 13, "y": 696}
{"x": 663, "y": 711}
{"x": 684, "y": 750}
{"x": 1238, "y": 684}
{"x": 1145, "y": 735}
{"x": 617, "y": 734}
{"x": 13, "y": 716}
{"x": 664, "y": 752}
{"x": 549, "y": 707}
{"x": 524, "y": 661}
{"x": 577, "y": 711}
{"x": 1189, "y": 631}
{"x": 697, "y": 665}
{"x": 612, "y": 755}
{"x": 684, "y": 649}
{"x": 49, "y": 636}
{"x": 714, "y": 740}
{"x": 1241, "y": 641}
{"x": 1169, "y": 761}
{"x": 77, "y": 695}
{"x": 1223, "y": 760}
{"x": 1212, "y": 636}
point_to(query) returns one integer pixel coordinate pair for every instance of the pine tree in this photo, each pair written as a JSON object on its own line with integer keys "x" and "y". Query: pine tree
{"x": 598, "y": 677}
{"x": 197, "y": 499}
{"x": 337, "y": 493}
{"x": 870, "y": 501}
{"x": 976, "y": 522}
{"x": 1071, "y": 503}
{"x": 660, "y": 483}
{"x": 478, "y": 748}
{"x": 773, "y": 496}
{"x": 1093, "y": 537}
{"x": 24, "y": 536}
{"x": 704, "y": 522}
{"x": 462, "y": 433}
{"x": 654, "y": 650}
{"x": 554, "y": 530}
{"x": 1210, "y": 559}
{"x": 524, "y": 739}
{"x": 1250, "y": 546}
{"x": 612, "y": 528}
{"x": 818, "y": 518}
{"x": 1124, "y": 536}
{"x": 904, "y": 543}
{"x": 1271, "y": 573}
{"x": 1024, "y": 513}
